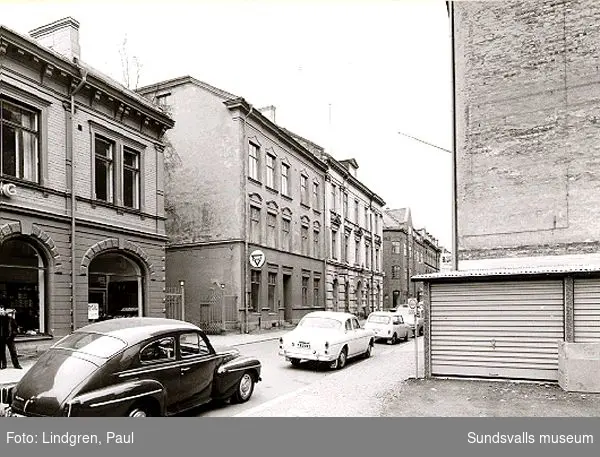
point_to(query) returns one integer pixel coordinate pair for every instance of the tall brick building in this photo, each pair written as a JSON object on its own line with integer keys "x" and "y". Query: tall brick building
{"x": 406, "y": 252}
{"x": 237, "y": 183}
{"x": 67, "y": 130}
{"x": 526, "y": 131}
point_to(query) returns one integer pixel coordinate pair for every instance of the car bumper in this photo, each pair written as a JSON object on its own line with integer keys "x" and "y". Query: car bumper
{"x": 305, "y": 355}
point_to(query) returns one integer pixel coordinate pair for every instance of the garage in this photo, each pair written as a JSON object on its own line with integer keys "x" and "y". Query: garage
{"x": 495, "y": 327}
{"x": 586, "y": 310}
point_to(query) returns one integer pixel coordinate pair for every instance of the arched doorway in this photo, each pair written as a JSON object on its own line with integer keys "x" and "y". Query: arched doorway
{"x": 358, "y": 297}
{"x": 336, "y": 286}
{"x": 23, "y": 284}
{"x": 347, "y": 296}
{"x": 377, "y": 292}
{"x": 115, "y": 286}
{"x": 395, "y": 298}
{"x": 368, "y": 305}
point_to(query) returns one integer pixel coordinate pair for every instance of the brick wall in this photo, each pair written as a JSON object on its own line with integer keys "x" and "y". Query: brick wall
{"x": 528, "y": 95}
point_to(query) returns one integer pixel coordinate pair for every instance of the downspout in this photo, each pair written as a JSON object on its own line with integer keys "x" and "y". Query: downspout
{"x": 71, "y": 154}
{"x": 246, "y": 223}
{"x": 454, "y": 177}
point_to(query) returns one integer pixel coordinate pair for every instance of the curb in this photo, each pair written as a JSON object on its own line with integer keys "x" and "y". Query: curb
{"x": 258, "y": 340}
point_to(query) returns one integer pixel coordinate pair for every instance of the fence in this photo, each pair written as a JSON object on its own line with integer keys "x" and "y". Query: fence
{"x": 175, "y": 302}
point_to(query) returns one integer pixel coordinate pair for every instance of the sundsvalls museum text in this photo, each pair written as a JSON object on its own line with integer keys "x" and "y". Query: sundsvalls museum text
{"x": 69, "y": 438}
{"x": 528, "y": 438}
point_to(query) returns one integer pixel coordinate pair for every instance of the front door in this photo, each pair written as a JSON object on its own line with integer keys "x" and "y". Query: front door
{"x": 197, "y": 368}
{"x": 287, "y": 297}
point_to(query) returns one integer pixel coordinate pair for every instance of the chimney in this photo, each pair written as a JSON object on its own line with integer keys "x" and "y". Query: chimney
{"x": 61, "y": 36}
{"x": 269, "y": 112}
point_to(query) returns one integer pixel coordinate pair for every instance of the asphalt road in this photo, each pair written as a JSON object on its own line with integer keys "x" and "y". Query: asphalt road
{"x": 309, "y": 390}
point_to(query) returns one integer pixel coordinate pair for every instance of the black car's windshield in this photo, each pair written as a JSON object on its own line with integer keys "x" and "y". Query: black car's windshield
{"x": 92, "y": 343}
{"x": 319, "y": 322}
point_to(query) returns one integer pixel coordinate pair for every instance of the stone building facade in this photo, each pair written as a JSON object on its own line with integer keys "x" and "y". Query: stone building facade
{"x": 69, "y": 130}
{"x": 239, "y": 183}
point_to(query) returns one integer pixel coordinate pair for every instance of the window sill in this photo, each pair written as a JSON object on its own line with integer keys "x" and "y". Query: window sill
{"x": 255, "y": 181}
{"x": 272, "y": 190}
{"x": 287, "y": 197}
{"x": 119, "y": 209}
{"x": 304, "y": 205}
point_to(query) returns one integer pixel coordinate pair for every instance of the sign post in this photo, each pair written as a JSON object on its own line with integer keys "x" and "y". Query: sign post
{"x": 412, "y": 304}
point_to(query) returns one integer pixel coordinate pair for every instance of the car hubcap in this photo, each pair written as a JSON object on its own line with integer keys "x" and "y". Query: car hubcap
{"x": 342, "y": 359}
{"x": 245, "y": 386}
{"x": 138, "y": 413}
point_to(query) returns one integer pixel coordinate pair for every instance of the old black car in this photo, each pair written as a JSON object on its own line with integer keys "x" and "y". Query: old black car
{"x": 133, "y": 367}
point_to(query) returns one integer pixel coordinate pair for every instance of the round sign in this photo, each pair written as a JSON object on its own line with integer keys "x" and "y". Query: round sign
{"x": 257, "y": 258}
{"x": 412, "y": 303}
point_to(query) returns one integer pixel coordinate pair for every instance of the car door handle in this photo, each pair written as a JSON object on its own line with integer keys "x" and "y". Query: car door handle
{"x": 185, "y": 369}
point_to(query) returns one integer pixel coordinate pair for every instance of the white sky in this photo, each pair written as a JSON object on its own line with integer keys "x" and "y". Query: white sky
{"x": 382, "y": 65}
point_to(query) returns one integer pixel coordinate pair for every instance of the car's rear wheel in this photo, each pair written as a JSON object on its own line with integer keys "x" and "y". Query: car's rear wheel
{"x": 394, "y": 339}
{"x": 369, "y": 349}
{"x": 244, "y": 389}
{"x": 295, "y": 362}
{"x": 141, "y": 410}
{"x": 406, "y": 336}
{"x": 340, "y": 362}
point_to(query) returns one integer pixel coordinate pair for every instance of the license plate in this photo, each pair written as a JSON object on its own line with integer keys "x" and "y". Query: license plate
{"x": 304, "y": 345}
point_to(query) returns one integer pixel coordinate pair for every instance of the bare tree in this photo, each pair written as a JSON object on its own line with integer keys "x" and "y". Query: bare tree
{"x": 130, "y": 66}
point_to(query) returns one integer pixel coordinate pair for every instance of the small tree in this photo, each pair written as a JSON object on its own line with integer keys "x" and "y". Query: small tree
{"x": 130, "y": 66}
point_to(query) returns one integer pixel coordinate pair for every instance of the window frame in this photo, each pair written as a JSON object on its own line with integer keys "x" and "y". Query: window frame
{"x": 111, "y": 178}
{"x": 156, "y": 341}
{"x": 285, "y": 179}
{"x": 137, "y": 200}
{"x": 270, "y": 163}
{"x": 253, "y": 160}
{"x": 202, "y": 342}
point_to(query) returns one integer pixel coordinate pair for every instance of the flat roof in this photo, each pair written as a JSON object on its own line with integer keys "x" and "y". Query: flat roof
{"x": 550, "y": 270}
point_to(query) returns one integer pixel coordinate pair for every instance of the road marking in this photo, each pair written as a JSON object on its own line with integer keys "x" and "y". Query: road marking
{"x": 272, "y": 402}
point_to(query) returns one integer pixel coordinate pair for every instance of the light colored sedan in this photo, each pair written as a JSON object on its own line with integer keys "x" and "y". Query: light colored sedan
{"x": 388, "y": 326}
{"x": 327, "y": 336}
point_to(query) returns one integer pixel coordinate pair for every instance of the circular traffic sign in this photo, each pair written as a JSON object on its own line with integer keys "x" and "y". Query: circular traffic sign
{"x": 257, "y": 258}
{"x": 412, "y": 303}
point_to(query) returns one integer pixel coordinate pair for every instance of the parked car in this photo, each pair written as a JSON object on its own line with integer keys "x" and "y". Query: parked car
{"x": 133, "y": 367}
{"x": 388, "y": 326}
{"x": 330, "y": 337}
{"x": 409, "y": 317}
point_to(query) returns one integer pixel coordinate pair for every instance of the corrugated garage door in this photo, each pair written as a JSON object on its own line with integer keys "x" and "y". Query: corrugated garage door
{"x": 586, "y": 310}
{"x": 497, "y": 329}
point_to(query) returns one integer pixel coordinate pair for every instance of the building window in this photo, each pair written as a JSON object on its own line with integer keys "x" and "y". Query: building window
{"x": 356, "y": 212}
{"x": 131, "y": 178}
{"x": 270, "y": 171}
{"x": 404, "y": 248}
{"x": 376, "y": 266}
{"x": 254, "y": 290}
{"x": 395, "y": 271}
{"x": 367, "y": 256}
{"x": 333, "y": 244}
{"x": 285, "y": 179}
{"x": 254, "y": 225}
{"x": 271, "y": 229}
{"x": 19, "y": 148}
{"x": 103, "y": 171}
{"x": 253, "y": 159}
{"x": 304, "y": 291}
{"x": 316, "y": 291}
{"x": 285, "y": 230}
{"x": 357, "y": 252}
{"x": 395, "y": 247}
{"x": 303, "y": 190}
{"x": 345, "y": 205}
{"x": 367, "y": 218}
{"x": 304, "y": 234}
{"x": 316, "y": 196}
{"x": 333, "y": 197}
{"x": 345, "y": 249}
{"x": 271, "y": 293}
{"x": 316, "y": 250}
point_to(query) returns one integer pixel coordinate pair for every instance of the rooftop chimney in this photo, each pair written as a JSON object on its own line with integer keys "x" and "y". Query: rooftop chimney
{"x": 61, "y": 36}
{"x": 269, "y": 112}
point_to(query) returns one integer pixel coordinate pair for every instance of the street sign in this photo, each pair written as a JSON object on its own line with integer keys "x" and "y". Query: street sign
{"x": 412, "y": 303}
{"x": 257, "y": 258}
{"x": 93, "y": 311}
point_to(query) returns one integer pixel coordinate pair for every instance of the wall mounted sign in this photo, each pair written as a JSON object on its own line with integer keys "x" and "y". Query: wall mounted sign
{"x": 93, "y": 311}
{"x": 257, "y": 258}
{"x": 8, "y": 190}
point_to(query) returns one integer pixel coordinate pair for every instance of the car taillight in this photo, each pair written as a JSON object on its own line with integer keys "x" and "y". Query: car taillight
{"x": 280, "y": 340}
{"x": 326, "y": 344}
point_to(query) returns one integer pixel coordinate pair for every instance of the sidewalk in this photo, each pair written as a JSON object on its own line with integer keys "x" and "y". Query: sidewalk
{"x": 11, "y": 375}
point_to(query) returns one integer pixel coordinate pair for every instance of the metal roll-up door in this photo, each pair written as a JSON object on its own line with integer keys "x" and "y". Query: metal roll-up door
{"x": 508, "y": 329}
{"x": 586, "y": 310}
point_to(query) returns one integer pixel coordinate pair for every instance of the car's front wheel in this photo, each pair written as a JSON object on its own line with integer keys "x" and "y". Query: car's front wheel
{"x": 244, "y": 389}
{"x": 295, "y": 362}
{"x": 394, "y": 339}
{"x": 369, "y": 350}
{"x": 140, "y": 410}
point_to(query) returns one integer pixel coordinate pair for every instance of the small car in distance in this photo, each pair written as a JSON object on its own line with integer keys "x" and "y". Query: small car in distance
{"x": 388, "y": 326}
{"x": 133, "y": 367}
{"x": 330, "y": 337}
{"x": 409, "y": 317}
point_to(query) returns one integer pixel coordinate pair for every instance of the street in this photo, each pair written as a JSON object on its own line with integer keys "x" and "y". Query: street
{"x": 308, "y": 390}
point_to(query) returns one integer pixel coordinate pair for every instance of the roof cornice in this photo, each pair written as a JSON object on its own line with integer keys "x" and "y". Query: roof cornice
{"x": 341, "y": 169}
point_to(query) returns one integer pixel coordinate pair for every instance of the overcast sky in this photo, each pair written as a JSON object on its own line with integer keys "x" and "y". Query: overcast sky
{"x": 348, "y": 75}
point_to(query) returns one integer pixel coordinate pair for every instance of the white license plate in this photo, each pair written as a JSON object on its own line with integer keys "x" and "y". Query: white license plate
{"x": 304, "y": 345}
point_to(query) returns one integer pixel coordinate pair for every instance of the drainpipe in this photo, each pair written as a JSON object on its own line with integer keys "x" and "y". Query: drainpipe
{"x": 246, "y": 222}
{"x": 71, "y": 154}
{"x": 454, "y": 177}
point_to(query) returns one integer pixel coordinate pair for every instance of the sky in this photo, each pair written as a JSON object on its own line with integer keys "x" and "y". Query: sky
{"x": 347, "y": 74}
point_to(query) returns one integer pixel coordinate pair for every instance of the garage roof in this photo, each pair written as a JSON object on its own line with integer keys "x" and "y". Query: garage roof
{"x": 509, "y": 272}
